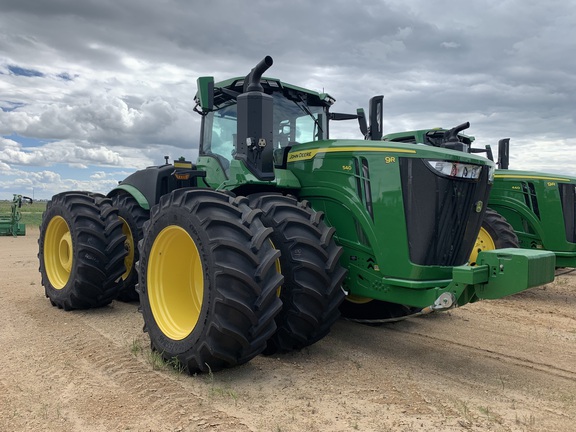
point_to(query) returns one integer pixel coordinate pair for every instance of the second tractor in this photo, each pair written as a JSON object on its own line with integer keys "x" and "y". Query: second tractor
{"x": 527, "y": 209}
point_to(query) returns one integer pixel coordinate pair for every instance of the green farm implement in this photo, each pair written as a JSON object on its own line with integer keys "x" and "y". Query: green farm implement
{"x": 11, "y": 225}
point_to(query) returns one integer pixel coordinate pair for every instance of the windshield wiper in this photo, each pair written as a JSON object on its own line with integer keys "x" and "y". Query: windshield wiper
{"x": 302, "y": 105}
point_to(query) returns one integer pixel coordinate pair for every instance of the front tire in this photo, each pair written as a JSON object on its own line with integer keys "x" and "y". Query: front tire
{"x": 207, "y": 280}
{"x": 495, "y": 233}
{"x": 81, "y": 250}
{"x": 309, "y": 261}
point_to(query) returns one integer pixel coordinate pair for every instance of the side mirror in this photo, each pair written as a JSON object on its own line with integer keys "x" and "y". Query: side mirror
{"x": 362, "y": 122}
{"x": 489, "y": 153}
{"x": 206, "y": 92}
{"x": 504, "y": 153}
{"x": 376, "y": 116}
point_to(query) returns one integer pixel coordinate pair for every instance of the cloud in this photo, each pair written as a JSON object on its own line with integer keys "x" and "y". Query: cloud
{"x": 60, "y": 152}
{"x": 110, "y": 84}
{"x": 450, "y": 44}
{"x": 4, "y": 168}
{"x": 43, "y": 184}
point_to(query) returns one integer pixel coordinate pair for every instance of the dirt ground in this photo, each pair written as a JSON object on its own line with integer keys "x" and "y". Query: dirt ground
{"x": 506, "y": 365}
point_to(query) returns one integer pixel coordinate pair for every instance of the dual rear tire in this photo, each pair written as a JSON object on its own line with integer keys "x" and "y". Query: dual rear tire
{"x": 81, "y": 250}
{"x": 210, "y": 265}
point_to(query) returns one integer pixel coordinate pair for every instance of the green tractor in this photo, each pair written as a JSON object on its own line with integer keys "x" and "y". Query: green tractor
{"x": 276, "y": 228}
{"x": 11, "y": 226}
{"x": 527, "y": 209}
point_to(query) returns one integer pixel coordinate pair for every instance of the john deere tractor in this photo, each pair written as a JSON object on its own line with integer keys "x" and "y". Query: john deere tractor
{"x": 527, "y": 209}
{"x": 541, "y": 207}
{"x": 254, "y": 247}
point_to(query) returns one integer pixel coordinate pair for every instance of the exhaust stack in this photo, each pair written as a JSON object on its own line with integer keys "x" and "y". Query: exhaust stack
{"x": 254, "y": 138}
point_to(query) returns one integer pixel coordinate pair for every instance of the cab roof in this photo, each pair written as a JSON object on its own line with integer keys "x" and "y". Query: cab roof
{"x": 225, "y": 92}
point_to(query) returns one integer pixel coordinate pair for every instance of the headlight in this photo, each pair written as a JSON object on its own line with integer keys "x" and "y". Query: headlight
{"x": 456, "y": 169}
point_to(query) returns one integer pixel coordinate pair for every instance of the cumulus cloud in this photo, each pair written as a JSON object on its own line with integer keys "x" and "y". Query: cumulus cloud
{"x": 4, "y": 168}
{"x": 111, "y": 84}
{"x": 103, "y": 117}
{"x": 43, "y": 184}
{"x": 60, "y": 152}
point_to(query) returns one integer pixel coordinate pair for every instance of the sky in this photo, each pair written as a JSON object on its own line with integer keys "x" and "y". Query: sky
{"x": 92, "y": 90}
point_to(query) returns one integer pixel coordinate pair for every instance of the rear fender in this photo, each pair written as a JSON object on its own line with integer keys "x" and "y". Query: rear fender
{"x": 136, "y": 194}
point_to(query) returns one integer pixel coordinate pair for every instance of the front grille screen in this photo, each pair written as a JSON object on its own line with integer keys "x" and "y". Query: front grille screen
{"x": 568, "y": 197}
{"x": 441, "y": 213}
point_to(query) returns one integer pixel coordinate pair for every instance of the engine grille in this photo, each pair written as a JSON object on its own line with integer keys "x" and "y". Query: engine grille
{"x": 568, "y": 197}
{"x": 441, "y": 216}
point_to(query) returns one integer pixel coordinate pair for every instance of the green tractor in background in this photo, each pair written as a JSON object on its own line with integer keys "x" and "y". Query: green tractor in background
{"x": 11, "y": 226}
{"x": 527, "y": 209}
{"x": 258, "y": 246}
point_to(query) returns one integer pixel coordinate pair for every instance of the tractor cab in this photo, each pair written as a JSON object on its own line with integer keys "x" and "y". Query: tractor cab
{"x": 297, "y": 116}
{"x": 453, "y": 139}
{"x": 437, "y": 137}
{"x": 259, "y": 120}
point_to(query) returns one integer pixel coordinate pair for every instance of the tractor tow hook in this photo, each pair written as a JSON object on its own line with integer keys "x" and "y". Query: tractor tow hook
{"x": 444, "y": 302}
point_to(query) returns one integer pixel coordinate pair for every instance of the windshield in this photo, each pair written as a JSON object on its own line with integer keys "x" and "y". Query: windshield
{"x": 294, "y": 123}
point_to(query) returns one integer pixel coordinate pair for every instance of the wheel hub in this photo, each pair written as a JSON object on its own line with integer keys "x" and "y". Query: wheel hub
{"x": 65, "y": 252}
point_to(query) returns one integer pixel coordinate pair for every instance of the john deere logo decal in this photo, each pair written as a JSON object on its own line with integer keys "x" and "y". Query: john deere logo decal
{"x": 302, "y": 155}
{"x": 309, "y": 154}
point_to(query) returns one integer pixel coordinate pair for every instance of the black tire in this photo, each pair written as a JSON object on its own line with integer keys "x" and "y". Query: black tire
{"x": 208, "y": 280}
{"x": 133, "y": 217}
{"x": 495, "y": 233}
{"x": 81, "y": 250}
{"x": 309, "y": 261}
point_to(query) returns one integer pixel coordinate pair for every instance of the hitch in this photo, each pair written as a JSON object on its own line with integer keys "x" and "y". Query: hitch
{"x": 444, "y": 302}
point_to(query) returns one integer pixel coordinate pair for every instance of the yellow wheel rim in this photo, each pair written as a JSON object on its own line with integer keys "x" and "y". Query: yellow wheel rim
{"x": 358, "y": 299}
{"x": 278, "y": 270}
{"x": 483, "y": 242}
{"x": 129, "y": 245}
{"x": 175, "y": 282}
{"x": 58, "y": 252}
